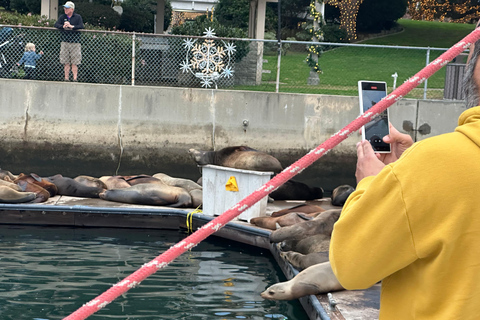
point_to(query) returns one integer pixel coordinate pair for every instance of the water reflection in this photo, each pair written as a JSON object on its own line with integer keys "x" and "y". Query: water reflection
{"x": 48, "y": 273}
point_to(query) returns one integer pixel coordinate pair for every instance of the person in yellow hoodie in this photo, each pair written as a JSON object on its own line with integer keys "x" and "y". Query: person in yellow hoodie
{"x": 414, "y": 223}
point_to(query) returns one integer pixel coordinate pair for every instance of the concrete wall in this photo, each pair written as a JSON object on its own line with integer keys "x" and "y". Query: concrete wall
{"x": 76, "y": 128}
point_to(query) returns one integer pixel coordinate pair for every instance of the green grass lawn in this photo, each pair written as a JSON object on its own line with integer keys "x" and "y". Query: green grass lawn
{"x": 425, "y": 34}
{"x": 343, "y": 66}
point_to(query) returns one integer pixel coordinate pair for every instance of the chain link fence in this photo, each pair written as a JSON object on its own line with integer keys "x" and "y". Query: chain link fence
{"x": 210, "y": 62}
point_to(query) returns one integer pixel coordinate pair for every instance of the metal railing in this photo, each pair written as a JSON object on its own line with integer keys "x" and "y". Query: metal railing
{"x": 210, "y": 62}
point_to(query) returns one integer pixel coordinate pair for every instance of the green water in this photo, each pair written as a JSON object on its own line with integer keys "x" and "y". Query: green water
{"x": 48, "y": 273}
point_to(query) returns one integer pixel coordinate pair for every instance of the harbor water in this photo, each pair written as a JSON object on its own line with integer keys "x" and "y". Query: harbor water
{"x": 49, "y": 272}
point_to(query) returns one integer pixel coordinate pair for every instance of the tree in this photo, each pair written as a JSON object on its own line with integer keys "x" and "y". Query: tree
{"x": 138, "y": 15}
{"x": 348, "y": 15}
{"x": 377, "y": 15}
{"x": 235, "y": 13}
{"x": 465, "y": 11}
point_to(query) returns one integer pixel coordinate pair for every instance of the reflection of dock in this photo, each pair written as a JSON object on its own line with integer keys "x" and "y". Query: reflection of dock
{"x": 86, "y": 212}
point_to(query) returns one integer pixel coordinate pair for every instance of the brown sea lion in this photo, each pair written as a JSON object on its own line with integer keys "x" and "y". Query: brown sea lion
{"x": 316, "y": 279}
{"x": 321, "y": 224}
{"x": 195, "y": 190}
{"x": 39, "y": 181}
{"x": 69, "y": 187}
{"x": 296, "y": 190}
{"x": 142, "y": 178}
{"x": 186, "y": 184}
{"x": 282, "y": 221}
{"x": 42, "y": 195}
{"x": 239, "y": 157}
{"x": 10, "y": 195}
{"x": 90, "y": 181}
{"x": 302, "y": 261}
{"x": 197, "y": 197}
{"x": 309, "y": 244}
{"x": 115, "y": 182}
{"x": 150, "y": 194}
{"x": 7, "y": 175}
{"x": 303, "y": 207}
{"x": 10, "y": 185}
{"x": 340, "y": 194}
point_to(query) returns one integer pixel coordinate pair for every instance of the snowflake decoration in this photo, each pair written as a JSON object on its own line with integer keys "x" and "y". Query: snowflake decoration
{"x": 208, "y": 62}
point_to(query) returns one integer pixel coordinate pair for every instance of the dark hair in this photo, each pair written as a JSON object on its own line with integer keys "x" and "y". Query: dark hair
{"x": 470, "y": 88}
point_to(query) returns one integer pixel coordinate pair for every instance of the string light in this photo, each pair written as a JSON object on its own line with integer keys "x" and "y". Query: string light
{"x": 314, "y": 51}
{"x": 348, "y": 15}
{"x": 431, "y": 10}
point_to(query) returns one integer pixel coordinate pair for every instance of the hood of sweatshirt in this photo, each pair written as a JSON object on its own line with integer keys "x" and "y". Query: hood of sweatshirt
{"x": 469, "y": 124}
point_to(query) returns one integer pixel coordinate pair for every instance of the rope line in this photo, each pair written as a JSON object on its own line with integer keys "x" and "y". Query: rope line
{"x": 192, "y": 240}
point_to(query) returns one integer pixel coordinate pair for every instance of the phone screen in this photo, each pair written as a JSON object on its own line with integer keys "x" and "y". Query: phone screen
{"x": 377, "y": 128}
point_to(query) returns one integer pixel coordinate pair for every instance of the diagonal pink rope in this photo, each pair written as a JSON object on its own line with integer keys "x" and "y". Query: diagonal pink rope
{"x": 191, "y": 241}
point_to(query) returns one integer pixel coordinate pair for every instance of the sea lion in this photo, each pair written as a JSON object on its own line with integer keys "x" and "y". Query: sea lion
{"x": 303, "y": 208}
{"x": 115, "y": 182}
{"x": 69, "y": 187}
{"x": 239, "y": 157}
{"x": 150, "y": 194}
{"x": 7, "y": 175}
{"x": 302, "y": 261}
{"x": 142, "y": 178}
{"x": 41, "y": 195}
{"x": 90, "y": 181}
{"x": 36, "y": 179}
{"x": 197, "y": 197}
{"x": 186, "y": 184}
{"x": 321, "y": 224}
{"x": 309, "y": 244}
{"x": 10, "y": 195}
{"x": 340, "y": 194}
{"x": 316, "y": 279}
{"x": 295, "y": 190}
{"x": 282, "y": 221}
{"x": 10, "y": 185}
{"x": 195, "y": 190}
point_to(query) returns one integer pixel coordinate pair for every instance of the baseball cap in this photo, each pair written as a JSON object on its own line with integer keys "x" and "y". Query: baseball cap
{"x": 69, "y": 4}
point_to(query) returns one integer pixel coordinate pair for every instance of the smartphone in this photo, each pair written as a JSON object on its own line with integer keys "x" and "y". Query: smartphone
{"x": 369, "y": 93}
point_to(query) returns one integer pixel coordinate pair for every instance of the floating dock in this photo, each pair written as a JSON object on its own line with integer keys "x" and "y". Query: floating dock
{"x": 86, "y": 212}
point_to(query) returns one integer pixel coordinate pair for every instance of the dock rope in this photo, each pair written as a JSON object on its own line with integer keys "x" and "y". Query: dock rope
{"x": 192, "y": 240}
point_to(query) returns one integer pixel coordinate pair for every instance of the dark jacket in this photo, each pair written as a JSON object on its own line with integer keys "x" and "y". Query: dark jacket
{"x": 70, "y": 35}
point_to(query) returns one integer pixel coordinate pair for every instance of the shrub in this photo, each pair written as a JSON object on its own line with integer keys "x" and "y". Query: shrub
{"x": 333, "y": 33}
{"x": 11, "y": 18}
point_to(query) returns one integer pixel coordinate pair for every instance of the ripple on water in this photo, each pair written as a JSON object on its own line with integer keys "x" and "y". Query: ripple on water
{"x": 47, "y": 273}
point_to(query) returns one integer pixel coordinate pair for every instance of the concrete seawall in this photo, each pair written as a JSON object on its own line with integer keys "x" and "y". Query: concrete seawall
{"x": 95, "y": 129}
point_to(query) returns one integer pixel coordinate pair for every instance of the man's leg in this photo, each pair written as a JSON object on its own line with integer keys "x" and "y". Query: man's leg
{"x": 67, "y": 71}
{"x": 74, "y": 71}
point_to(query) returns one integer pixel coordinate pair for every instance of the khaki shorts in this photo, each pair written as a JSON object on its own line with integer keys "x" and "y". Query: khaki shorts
{"x": 70, "y": 53}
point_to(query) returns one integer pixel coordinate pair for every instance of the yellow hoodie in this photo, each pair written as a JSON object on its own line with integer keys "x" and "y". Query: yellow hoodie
{"x": 416, "y": 226}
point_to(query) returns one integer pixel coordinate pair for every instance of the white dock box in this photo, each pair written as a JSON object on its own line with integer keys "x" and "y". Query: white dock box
{"x": 217, "y": 198}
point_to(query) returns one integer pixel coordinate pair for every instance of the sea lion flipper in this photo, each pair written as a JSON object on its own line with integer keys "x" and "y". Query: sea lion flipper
{"x": 304, "y": 216}
{"x": 36, "y": 177}
{"x": 22, "y": 184}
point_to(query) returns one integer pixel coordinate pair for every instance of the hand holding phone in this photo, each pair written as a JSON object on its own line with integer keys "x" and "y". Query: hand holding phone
{"x": 369, "y": 93}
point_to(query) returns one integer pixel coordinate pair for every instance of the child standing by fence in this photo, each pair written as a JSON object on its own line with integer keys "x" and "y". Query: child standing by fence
{"x": 30, "y": 58}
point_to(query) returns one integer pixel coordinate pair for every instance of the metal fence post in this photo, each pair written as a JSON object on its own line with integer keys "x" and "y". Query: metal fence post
{"x": 133, "y": 59}
{"x": 277, "y": 82}
{"x": 426, "y": 81}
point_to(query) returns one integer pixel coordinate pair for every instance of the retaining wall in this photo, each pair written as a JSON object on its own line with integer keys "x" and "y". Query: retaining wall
{"x": 95, "y": 129}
